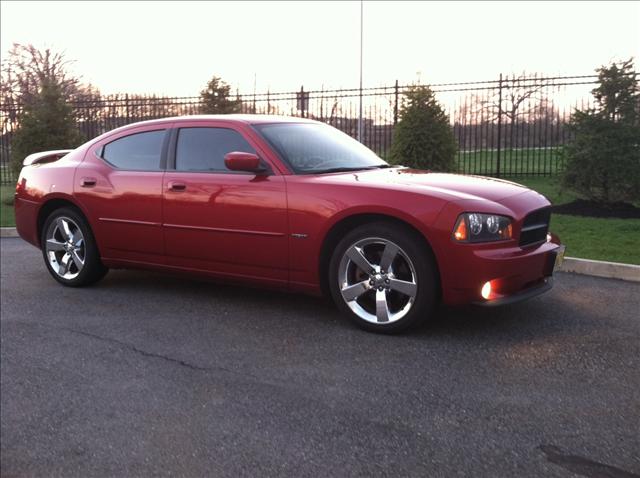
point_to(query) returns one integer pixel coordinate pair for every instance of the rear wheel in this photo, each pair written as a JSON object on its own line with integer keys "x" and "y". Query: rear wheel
{"x": 69, "y": 249}
{"x": 383, "y": 278}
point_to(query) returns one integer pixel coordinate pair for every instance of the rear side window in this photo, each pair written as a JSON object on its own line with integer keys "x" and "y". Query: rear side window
{"x": 203, "y": 149}
{"x": 140, "y": 151}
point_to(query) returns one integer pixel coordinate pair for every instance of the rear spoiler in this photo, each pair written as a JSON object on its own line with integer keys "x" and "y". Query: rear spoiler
{"x": 45, "y": 157}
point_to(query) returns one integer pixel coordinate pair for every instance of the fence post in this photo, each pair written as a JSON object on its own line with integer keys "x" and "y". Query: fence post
{"x": 268, "y": 103}
{"x": 302, "y": 100}
{"x": 395, "y": 106}
{"x": 499, "y": 126}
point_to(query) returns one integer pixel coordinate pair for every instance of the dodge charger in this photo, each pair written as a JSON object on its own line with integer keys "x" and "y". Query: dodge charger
{"x": 285, "y": 203}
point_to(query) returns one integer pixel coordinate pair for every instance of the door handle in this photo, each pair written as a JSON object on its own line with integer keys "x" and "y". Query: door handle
{"x": 176, "y": 186}
{"x": 87, "y": 182}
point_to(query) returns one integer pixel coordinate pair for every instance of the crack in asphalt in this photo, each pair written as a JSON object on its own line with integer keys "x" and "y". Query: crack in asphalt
{"x": 144, "y": 352}
{"x": 245, "y": 375}
{"x": 398, "y": 427}
{"x": 583, "y": 466}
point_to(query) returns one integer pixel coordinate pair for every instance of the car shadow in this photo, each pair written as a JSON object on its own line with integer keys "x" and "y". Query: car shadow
{"x": 537, "y": 318}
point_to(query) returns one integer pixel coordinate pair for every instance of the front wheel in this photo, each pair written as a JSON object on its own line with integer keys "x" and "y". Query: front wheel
{"x": 69, "y": 249}
{"x": 383, "y": 277}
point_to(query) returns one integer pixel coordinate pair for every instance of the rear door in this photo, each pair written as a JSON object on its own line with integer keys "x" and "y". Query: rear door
{"x": 120, "y": 184}
{"x": 227, "y": 222}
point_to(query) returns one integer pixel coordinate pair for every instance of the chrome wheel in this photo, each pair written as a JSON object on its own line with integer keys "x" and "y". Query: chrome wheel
{"x": 377, "y": 280}
{"x": 65, "y": 248}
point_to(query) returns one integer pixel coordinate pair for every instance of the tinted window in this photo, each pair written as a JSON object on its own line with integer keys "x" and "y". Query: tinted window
{"x": 203, "y": 149}
{"x": 317, "y": 148}
{"x": 140, "y": 151}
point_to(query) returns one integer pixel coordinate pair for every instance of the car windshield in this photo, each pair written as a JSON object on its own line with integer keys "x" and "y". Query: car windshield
{"x": 311, "y": 148}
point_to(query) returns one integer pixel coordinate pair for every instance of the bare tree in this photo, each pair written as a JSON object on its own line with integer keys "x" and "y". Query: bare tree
{"x": 26, "y": 69}
{"x": 516, "y": 98}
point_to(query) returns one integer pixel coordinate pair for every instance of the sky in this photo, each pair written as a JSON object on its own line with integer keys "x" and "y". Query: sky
{"x": 173, "y": 48}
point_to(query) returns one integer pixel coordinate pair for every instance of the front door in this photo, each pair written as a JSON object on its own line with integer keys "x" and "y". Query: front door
{"x": 231, "y": 223}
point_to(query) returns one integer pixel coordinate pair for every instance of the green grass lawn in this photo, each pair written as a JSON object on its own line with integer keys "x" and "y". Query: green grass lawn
{"x": 6, "y": 206}
{"x": 615, "y": 240}
{"x": 548, "y": 185}
{"x": 512, "y": 161}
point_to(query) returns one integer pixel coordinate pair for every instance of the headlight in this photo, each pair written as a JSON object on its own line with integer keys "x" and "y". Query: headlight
{"x": 477, "y": 227}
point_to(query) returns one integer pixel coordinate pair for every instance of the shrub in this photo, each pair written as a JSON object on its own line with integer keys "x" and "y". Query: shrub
{"x": 216, "y": 98}
{"x": 603, "y": 158}
{"x": 45, "y": 123}
{"x": 423, "y": 138}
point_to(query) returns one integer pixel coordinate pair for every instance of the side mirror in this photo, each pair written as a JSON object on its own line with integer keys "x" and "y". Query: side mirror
{"x": 238, "y": 161}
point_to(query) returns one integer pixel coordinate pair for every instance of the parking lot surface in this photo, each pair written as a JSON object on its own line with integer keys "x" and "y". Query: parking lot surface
{"x": 150, "y": 374}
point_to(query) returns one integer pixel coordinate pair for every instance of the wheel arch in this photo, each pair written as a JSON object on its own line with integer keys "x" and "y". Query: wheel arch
{"x": 348, "y": 223}
{"x": 50, "y": 205}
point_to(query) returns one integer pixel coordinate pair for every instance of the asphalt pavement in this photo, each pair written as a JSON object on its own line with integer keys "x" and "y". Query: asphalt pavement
{"x": 150, "y": 374}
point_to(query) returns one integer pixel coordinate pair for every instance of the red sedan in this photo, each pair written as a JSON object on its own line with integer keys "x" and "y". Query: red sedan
{"x": 287, "y": 203}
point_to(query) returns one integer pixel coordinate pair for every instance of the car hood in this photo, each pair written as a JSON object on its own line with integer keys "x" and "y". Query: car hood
{"x": 448, "y": 186}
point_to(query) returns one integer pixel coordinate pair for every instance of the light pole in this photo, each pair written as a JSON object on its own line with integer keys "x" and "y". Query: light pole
{"x": 361, "y": 30}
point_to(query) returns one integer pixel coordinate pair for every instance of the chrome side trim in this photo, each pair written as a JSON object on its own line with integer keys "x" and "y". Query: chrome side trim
{"x": 222, "y": 229}
{"x": 129, "y": 221}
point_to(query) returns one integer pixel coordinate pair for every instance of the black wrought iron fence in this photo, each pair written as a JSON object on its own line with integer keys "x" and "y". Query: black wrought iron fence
{"x": 511, "y": 126}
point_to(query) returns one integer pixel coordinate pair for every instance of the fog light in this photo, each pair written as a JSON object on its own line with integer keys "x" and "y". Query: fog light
{"x": 486, "y": 290}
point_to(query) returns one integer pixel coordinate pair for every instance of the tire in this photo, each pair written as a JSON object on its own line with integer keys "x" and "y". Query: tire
{"x": 69, "y": 249}
{"x": 400, "y": 288}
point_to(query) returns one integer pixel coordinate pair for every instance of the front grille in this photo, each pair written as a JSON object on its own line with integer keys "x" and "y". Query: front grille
{"x": 535, "y": 227}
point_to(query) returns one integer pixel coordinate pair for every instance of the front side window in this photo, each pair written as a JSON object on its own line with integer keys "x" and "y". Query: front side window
{"x": 203, "y": 149}
{"x": 317, "y": 148}
{"x": 139, "y": 151}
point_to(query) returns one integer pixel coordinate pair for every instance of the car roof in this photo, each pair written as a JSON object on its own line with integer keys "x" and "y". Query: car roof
{"x": 231, "y": 118}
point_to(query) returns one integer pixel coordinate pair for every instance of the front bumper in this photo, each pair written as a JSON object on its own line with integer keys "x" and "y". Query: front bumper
{"x": 553, "y": 260}
{"x": 533, "y": 291}
{"x": 515, "y": 274}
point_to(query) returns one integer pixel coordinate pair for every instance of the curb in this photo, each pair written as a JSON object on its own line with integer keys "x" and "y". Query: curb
{"x": 609, "y": 270}
{"x": 8, "y": 232}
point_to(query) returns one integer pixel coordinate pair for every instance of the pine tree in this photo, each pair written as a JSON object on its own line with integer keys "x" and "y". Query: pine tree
{"x": 423, "y": 138}
{"x": 45, "y": 123}
{"x": 603, "y": 158}
{"x": 216, "y": 98}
